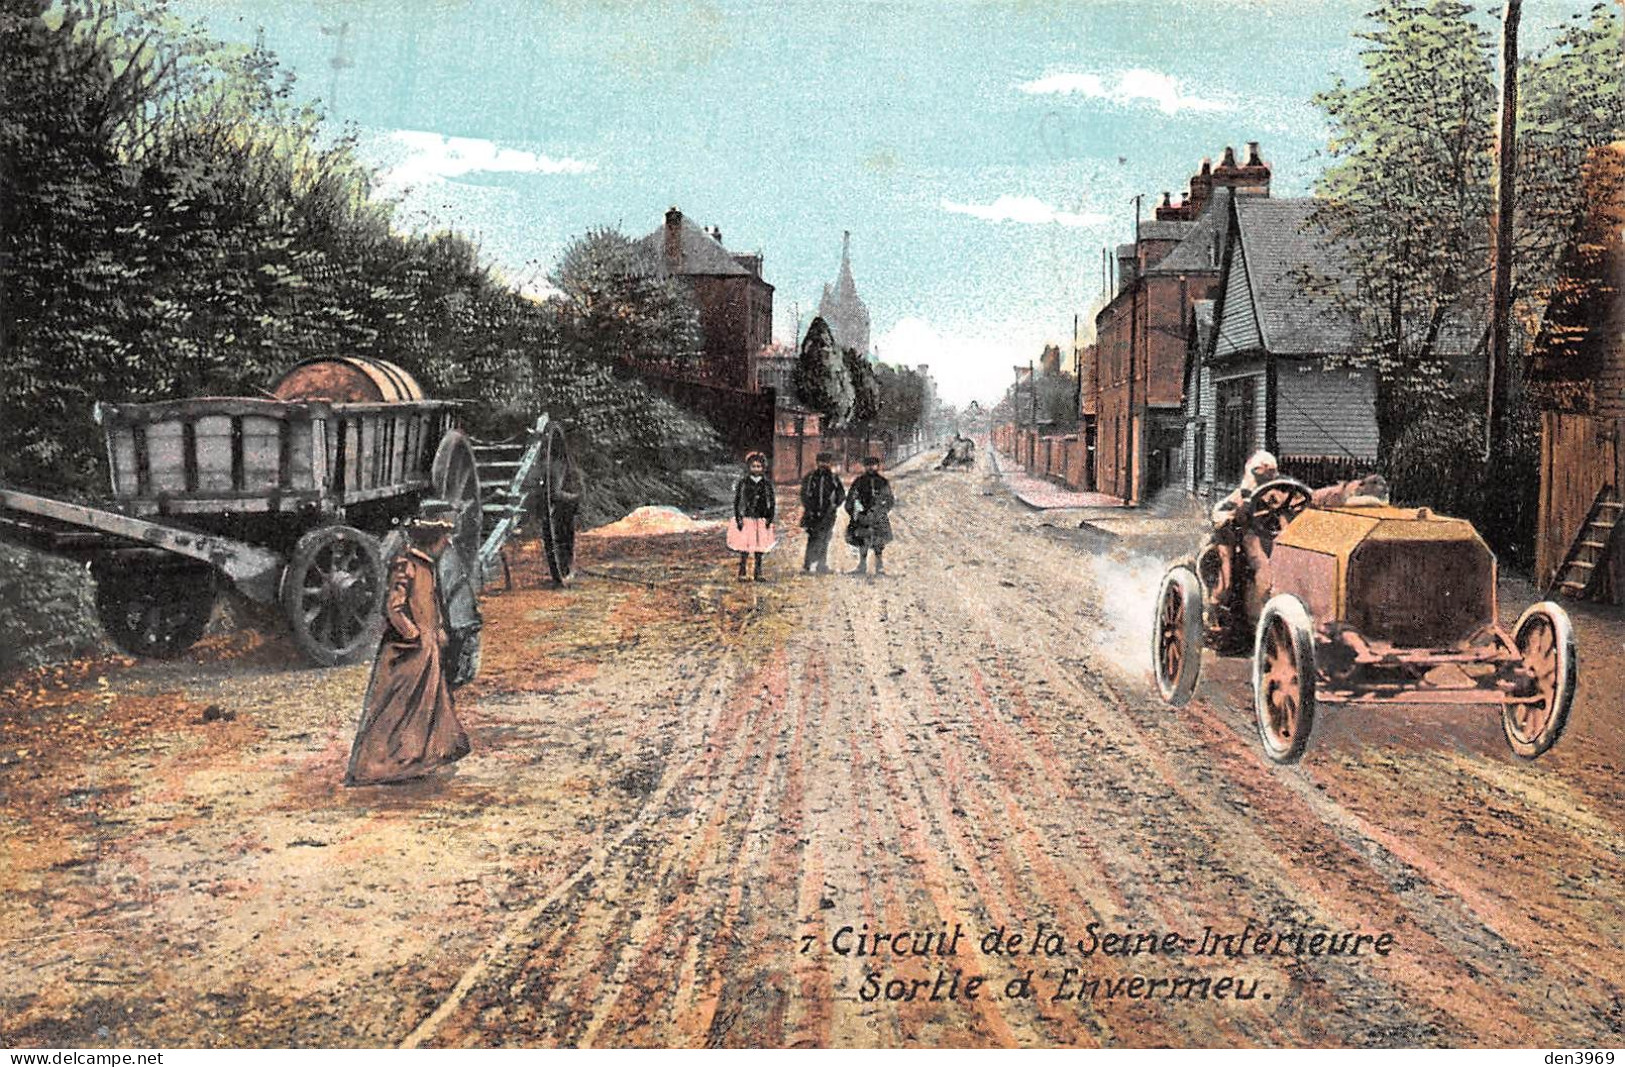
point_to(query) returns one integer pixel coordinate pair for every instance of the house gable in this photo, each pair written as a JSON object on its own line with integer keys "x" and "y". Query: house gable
{"x": 1236, "y": 328}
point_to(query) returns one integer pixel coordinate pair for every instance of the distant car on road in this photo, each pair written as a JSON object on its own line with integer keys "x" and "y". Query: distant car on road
{"x": 961, "y": 453}
{"x": 1367, "y": 605}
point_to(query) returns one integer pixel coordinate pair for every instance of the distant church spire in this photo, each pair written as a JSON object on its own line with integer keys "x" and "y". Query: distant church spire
{"x": 841, "y": 306}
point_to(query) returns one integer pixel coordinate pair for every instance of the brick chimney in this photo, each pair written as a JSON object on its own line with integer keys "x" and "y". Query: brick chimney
{"x": 1251, "y": 178}
{"x": 1201, "y": 188}
{"x": 674, "y": 239}
{"x": 715, "y": 232}
{"x": 1168, "y": 211}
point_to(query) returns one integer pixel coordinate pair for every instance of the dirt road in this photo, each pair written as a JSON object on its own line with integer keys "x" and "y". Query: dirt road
{"x": 692, "y": 806}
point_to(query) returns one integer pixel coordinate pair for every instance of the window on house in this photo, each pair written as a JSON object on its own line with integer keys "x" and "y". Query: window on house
{"x": 1234, "y": 407}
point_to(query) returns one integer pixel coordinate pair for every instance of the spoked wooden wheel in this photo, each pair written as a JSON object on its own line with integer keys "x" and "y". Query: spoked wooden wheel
{"x": 157, "y": 613}
{"x": 1176, "y": 639}
{"x": 456, "y": 480}
{"x": 1545, "y": 637}
{"x": 1284, "y": 678}
{"x": 332, "y": 593}
{"x": 560, "y": 493}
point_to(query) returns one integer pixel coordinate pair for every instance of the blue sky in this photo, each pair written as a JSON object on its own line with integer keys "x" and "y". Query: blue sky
{"x": 981, "y": 153}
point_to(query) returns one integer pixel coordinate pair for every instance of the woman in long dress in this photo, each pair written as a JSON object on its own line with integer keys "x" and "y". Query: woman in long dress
{"x": 408, "y": 725}
{"x": 755, "y": 509}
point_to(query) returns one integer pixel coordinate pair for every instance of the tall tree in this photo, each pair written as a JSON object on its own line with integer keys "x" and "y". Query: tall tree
{"x": 865, "y": 387}
{"x": 821, "y": 378}
{"x": 615, "y": 304}
{"x": 1409, "y": 196}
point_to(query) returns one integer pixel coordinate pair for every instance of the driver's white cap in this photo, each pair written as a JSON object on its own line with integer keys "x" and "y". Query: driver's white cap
{"x": 1261, "y": 459}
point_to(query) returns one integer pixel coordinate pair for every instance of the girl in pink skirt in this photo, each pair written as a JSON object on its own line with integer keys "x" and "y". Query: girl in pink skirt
{"x": 752, "y": 531}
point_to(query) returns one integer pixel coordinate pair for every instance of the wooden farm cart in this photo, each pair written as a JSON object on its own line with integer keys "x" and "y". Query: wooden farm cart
{"x": 294, "y": 500}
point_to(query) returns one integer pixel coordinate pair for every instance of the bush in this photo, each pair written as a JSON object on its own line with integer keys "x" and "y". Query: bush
{"x": 50, "y": 611}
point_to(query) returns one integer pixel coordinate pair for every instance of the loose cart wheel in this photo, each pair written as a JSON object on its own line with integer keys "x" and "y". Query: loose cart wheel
{"x": 457, "y": 481}
{"x": 1176, "y": 639}
{"x": 560, "y": 494}
{"x": 155, "y": 613}
{"x": 332, "y": 593}
{"x": 1546, "y": 638}
{"x": 1284, "y": 678}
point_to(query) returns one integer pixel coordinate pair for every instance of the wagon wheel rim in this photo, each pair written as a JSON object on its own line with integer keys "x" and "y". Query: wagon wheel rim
{"x": 457, "y": 481}
{"x": 561, "y": 494}
{"x": 336, "y": 594}
{"x": 1538, "y": 643}
{"x": 1171, "y": 634}
{"x": 1282, "y": 685}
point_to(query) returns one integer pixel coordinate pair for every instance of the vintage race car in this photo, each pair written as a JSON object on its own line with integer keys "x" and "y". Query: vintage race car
{"x": 1367, "y": 604}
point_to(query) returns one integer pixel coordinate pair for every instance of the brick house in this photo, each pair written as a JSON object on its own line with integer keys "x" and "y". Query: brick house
{"x": 734, "y": 303}
{"x": 1136, "y": 383}
{"x": 1273, "y": 371}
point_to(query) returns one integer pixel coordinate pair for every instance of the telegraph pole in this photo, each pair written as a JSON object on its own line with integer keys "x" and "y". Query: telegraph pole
{"x": 1497, "y": 383}
{"x": 1077, "y": 371}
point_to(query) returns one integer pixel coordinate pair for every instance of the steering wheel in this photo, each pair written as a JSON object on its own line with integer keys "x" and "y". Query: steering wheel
{"x": 1275, "y": 504}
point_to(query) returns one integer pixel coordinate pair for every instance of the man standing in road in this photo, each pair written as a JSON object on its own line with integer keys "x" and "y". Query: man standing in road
{"x": 821, "y": 496}
{"x": 869, "y": 503}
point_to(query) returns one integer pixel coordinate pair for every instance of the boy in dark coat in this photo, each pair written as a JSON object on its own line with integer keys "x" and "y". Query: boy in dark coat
{"x": 821, "y": 496}
{"x": 869, "y": 503}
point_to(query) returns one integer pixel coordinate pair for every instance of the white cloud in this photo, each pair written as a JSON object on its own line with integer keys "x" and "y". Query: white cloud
{"x": 1027, "y": 210}
{"x": 966, "y": 366}
{"x": 415, "y": 158}
{"x": 1129, "y": 87}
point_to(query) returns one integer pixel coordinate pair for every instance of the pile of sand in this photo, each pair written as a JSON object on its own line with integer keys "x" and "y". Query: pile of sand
{"x": 650, "y": 521}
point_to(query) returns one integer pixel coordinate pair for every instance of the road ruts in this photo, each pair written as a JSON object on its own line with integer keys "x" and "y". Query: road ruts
{"x": 970, "y": 742}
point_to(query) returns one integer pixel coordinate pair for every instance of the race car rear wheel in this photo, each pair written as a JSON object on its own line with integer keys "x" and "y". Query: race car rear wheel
{"x": 1284, "y": 678}
{"x": 1545, "y": 637}
{"x": 1176, "y": 636}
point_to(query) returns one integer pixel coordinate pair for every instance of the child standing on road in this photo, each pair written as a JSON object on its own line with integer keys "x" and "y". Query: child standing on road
{"x": 869, "y": 503}
{"x": 751, "y": 534}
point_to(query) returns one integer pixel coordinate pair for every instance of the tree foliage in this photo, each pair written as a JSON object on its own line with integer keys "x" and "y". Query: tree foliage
{"x": 615, "y": 304}
{"x": 175, "y": 225}
{"x": 865, "y": 387}
{"x": 821, "y": 378}
{"x": 902, "y": 398}
{"x": 1409, "y": 196}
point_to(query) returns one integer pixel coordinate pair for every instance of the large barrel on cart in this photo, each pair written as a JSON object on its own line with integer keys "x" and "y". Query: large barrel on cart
{"x": 294, "y": 499}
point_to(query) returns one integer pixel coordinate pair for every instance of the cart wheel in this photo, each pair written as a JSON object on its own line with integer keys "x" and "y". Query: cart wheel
{"x": 332, "y": 593}
{"x": 1546, "y": 638}
{"x": 1176, "y": 639}
{"x": 1284, "y": 678}
{"x": 456, "y": 480}
{"x": 155, "y": 613}
{"x": 560, "y": 498}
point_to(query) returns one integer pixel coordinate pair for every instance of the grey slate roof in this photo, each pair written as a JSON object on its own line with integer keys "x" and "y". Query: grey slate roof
{"x": 1165, "y": 229}
{"x": 702, "y": 254}
{"x": 1285, "y": 250}
{"x": 1301, "y": 281}
{"x": 1195, "y": 253}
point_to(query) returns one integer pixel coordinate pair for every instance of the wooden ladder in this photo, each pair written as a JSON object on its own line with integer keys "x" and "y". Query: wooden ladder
{"x": 508, "y": 486}
{"x": 1590, "y": 548}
